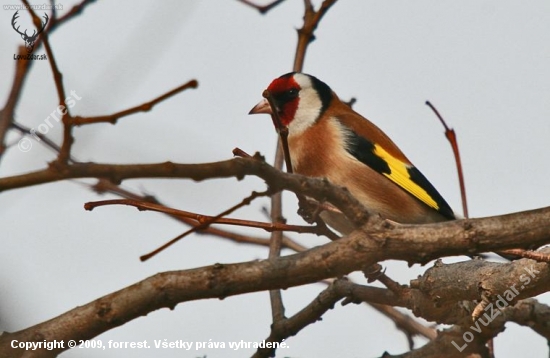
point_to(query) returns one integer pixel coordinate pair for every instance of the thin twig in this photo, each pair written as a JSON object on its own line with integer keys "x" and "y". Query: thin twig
{"x": 199, "y": 218}
{"x": 144, "y": 107}
{"x": 281, "y": 129}
{"x": 282, "y": 151}
{"x": 276, "y": 299}
{"x": 382, "y": 300}
{"x": 22, "y": 69}
{"x": 206, "y": 223}
{"x": 103, "y": 186}
{"x": 75, "y": 10}
{"x": 68, "y": 139}
{"x": 238, "y": 152}
{"x": 526, "y": 254}
{"x": 305, "y": 34}
{"x": 54, "y": 10}
{"x": 311, "y": 313}
{"x": 451, "y": 137}
{"x": 43, "y": 138}
{"x": 7, "y": 113}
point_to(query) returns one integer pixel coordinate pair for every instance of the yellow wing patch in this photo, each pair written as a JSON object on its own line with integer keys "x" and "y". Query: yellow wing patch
{"x": 400, "y": 175}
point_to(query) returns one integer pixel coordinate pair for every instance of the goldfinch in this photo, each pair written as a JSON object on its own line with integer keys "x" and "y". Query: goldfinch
{"x": 327, "y": 138}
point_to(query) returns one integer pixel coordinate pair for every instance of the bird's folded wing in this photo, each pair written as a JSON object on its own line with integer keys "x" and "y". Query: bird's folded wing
{"x": 405, "y": 175}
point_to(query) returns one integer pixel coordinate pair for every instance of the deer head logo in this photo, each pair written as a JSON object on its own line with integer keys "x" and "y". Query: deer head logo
{"x": 29, "y": 40}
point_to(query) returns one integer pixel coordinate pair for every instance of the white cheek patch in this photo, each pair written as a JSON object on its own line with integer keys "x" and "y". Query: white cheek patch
{"x": 309, "y": 107}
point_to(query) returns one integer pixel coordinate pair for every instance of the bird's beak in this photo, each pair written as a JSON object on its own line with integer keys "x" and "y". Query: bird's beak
{"x": 262, "y": 107}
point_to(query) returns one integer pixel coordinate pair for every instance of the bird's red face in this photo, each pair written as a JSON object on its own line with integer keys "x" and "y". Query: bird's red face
{"x": 299, "y": 99}
{"x": 285, "y": 91}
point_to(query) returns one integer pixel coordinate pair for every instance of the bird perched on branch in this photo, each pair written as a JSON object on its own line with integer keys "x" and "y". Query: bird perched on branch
{"x": 327, "y": 138}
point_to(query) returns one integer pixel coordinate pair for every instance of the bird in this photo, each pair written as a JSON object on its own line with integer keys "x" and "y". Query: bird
{"x": 328, "y": 139}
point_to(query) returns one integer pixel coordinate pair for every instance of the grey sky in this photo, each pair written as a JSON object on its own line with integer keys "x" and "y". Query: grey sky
{"x": 483, "y": 64}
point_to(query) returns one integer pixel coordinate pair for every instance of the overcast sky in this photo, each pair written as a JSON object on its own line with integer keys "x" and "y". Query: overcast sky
{"x": 484, "y": 64}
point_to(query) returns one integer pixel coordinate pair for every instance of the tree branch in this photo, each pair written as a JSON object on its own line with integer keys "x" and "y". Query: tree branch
{"x": 7, "y": 113}
{"x": 145, "y": 107}
{"x": 305, "y": 34}
{"x": 103, "y": 186}
{"x": 378, "y": 242}
{"x": 521, "y": 279}
{"x": 237, "y": 167}
{"x": 68, "y": 139}
{"x": 285, "y": 328}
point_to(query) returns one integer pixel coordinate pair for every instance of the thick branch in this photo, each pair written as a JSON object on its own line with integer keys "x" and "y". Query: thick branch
{"x": 443, "y": 346}
{"x": 337, "y": 258}
{"x": 447, "y": 284}
{"x": 532, "y": 314}
{"x": 238, "y": 167}
{"x": 452, "y": 309}
{"x": 166, "y": 290}
{"x": 520, "y": 230}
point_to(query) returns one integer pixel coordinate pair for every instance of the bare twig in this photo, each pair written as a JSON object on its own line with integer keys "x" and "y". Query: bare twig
{"x": 276, "y": 298}
{"x": 103, "y": 186}
{"x": 238, "y": 152}
{"x": 281, "y": 129}
{"x": 382, "y": 300}
{"x": 238, "y": 167}
{"x": 526, "y": 254}
{"x": 147, "y": 106}
{"x": 205, "y": 224}
{"x": 199, "y": 218}
{"x": 43, "y": 138}
{"x": 68, "y": 139}
{"x": 282, "y": 151}
{"x": 319, "y": 189}
{"x": 312, "y": 313}
{"x": 219, "y": 281}
{"x": 451, "y": 137}
{"x": 7, "y": 113}
{"x": 22, "y": 68}
{"x": 305, "y": 34}
{"x": 75, "y": 10}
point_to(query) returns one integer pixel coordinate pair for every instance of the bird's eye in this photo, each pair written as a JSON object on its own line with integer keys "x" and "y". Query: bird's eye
{"x": 292, "y": 93}
{"x": 286, "y": 96}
